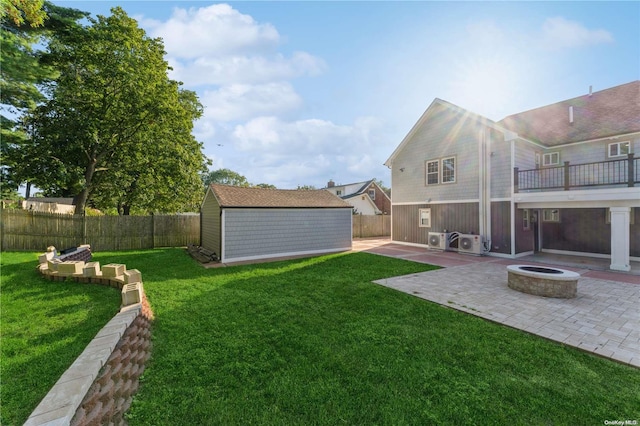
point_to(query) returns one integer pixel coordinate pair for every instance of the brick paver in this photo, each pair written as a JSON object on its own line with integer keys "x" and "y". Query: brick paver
{"x": 603, "y": 319}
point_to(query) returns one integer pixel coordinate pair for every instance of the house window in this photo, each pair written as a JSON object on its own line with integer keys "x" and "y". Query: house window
{"x": 449, "y": 170}
{"x": 551, "y": 215}
{"x": 339, "y": 192}
{"x": 372, "y": 194}
{"x": 537, "y": 160}
{"x": 526, "y": 222}
{"x": 618, "y": 149}
{"x": 433, "y": 174}
{"x": 551, "y": 159}
{"x": 631, "y": 217}
{"x": 425, "y": 218}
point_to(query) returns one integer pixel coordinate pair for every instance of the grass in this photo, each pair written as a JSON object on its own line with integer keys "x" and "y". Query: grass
{"x": 44, "y": 326}
{"x": 313, "y": 341}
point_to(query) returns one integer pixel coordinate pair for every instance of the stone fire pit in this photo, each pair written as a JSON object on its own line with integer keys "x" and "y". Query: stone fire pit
{"x": 543, "y": 281}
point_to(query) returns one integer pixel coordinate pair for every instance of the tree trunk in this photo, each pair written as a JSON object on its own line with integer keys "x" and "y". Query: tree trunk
{"x": 27, "y": 191}
{"x": 81, "y": 199}
{"x": 126, "y": 209}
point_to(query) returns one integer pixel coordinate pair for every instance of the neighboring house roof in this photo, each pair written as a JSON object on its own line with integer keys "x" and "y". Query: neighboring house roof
{"x": 234, "y": 196}
{"x": 609, "y": 112}
{"x": 57, "y": 200}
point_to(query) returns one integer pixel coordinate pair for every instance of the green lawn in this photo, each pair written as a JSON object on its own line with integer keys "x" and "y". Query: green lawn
{"x": 313, "y": 341}
{"x": 44, "y": 326}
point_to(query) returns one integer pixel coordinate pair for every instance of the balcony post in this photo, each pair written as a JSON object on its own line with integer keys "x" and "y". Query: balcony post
{"x": 515, "y": 180}
{"x": 630, "y": 177}
{"x": 566, "y": 175}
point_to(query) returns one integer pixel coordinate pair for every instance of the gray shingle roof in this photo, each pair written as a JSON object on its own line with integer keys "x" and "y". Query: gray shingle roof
{"x": 234, "y": 196}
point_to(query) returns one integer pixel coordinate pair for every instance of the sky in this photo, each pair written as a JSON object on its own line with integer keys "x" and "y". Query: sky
{"x": 298, "y": 93}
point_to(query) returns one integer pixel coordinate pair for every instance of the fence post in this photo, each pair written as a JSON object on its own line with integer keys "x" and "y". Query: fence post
{"x": 566, "y": 175}
{"x": 515, "y": 180}
{"x": 630, "y": 177}
{"x": 153, "y": 230}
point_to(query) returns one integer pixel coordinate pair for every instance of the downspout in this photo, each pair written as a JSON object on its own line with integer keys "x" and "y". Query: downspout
{"x": 222, "y": 236}
{"x": 485, "y": 190}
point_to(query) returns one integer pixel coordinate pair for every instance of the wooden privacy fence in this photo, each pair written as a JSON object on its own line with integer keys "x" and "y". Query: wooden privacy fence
{"x": 25, "y": 230}
{"x": 365, "y": 226}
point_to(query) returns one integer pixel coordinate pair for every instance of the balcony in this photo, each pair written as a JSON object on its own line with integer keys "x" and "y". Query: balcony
{"x": 612, "y": 173}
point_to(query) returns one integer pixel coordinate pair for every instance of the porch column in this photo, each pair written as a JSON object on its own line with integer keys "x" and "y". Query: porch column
{"x": 620, "y": 238}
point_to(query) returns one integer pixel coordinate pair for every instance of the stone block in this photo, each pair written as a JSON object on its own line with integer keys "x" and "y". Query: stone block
{"x": 91, "y": 269}
{"x": 70, "y": 267}
{"x": 113, "y": 270}
{"x": 131, "y": 294}
{"x": 45, "y": 257}
{"x": 132, "y": 276}
{"x": 53, "y": 264}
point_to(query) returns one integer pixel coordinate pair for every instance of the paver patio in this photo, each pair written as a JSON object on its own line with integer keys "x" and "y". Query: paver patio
{"x": 603, "y": 319}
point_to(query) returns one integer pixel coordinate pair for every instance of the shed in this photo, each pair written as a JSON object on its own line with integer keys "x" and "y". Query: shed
{"x": 241, "y": 224}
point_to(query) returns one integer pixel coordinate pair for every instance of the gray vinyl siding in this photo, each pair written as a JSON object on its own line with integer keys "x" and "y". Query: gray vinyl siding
{"x": 585, "y": 230}
{"x": 445, "y": 133}
{"x": 501, "y": 170}
{"x": 460, "y": 217}
{"x": 591, "y": 152}
{"x": 525, "y": 158}
{"x": 269, "y": 232}
{"x": 210, "y": 224}
{"x": 501, "y": 227}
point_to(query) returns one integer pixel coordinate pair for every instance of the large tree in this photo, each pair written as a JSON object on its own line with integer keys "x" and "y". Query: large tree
{"x": 114, "y": 125}
{"x": 24, "y": 23}
{"x": 225, "y": 177}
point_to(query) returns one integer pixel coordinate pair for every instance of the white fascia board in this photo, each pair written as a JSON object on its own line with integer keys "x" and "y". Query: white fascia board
{"x": 585, "y": 198}
{"x": 420, "y": 203}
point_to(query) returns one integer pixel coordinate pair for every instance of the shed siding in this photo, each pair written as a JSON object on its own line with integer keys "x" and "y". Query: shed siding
{"x": 210, "y": 224}
{"x": 460, "y": 217}
{"x": 445, "y": 133}
{"x": 262, "y": 233}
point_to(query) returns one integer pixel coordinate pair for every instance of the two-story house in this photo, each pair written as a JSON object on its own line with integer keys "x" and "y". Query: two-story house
{"x": 367, "y": 198}
{"x": 562, "y": 178}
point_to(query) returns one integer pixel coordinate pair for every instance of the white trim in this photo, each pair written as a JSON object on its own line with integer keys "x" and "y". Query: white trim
{"x": 495, "y": 200}
{"x": 500, "y": 255}
{"x": 584, "y": 198}
{"x": 413, "y": 203}
{"x": 513, "y": 204}
{"x": 549, "y": 155}
{"x": 585, "y": 254}
{"x": 294, "y": 253}
{"x": 605, "y": 138}
{"x": 523, "y": 254}
{"x": 222, "y": 234}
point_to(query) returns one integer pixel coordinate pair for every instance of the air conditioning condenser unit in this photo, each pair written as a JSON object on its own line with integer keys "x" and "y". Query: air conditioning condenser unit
{"x": 470, "y": 244}
{"x": 439, "y": 240}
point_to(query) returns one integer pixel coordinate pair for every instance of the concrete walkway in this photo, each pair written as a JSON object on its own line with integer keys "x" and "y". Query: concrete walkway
{"x": 603, "y": 319}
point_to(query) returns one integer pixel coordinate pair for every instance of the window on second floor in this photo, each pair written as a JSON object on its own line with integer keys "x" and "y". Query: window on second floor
{"x": 338, "y": 192}
{"x": 433, "y": 172}
{"x": 441, "y": 171}
{"x": 372, "y": 194}
{"x": 618, "y": 149}
{"x": 551, "y": 159}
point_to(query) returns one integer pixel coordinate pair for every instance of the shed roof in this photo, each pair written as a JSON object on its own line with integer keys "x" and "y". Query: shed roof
{"x": 609, "y": 112}
{"x": 235, "y": 196}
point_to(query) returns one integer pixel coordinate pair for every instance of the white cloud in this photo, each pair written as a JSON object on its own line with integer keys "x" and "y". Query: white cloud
{"x": 558, "y": 33}
{"x": 215, "y": 30}
{"x": 243, "y": 101}
{"x": 249, "y": 69}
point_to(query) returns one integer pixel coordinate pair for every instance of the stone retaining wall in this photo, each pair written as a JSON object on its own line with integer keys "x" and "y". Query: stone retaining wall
{"x": 98, "y": 387}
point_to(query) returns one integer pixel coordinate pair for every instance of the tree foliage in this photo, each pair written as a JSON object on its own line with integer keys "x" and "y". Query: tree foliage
{"x": 225, "y": 177}
{"x": 115, "y": 130}
{"x": 21, "y": 71}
